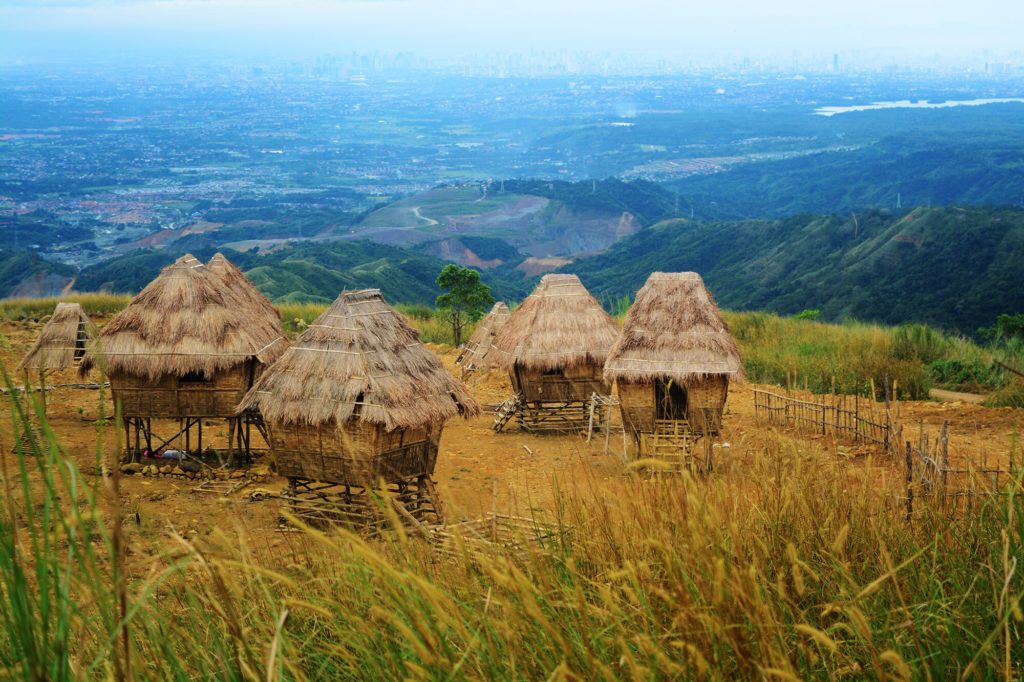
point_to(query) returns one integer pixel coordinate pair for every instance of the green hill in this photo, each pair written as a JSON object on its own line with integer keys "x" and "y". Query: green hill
{"x": 24, "y": 273}
{"x": 306, "y": 271}
{"x": 956, "y": 268}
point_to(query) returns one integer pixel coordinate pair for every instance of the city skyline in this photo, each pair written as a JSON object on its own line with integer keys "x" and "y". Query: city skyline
{"x": 646, "y": 31}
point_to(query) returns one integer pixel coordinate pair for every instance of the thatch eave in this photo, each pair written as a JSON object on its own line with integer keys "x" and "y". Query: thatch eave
{"x": 361, "y": 361}
{"x": 559, "y": 326}
{"x": 190, "y": 319}
{"x": 674, "y": 330}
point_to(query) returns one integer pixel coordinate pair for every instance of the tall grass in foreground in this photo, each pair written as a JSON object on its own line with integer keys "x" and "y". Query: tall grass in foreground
{"x": 793, "y": 567}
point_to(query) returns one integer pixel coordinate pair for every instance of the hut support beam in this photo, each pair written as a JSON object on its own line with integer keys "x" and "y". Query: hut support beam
{"x": 231, "y": 444}
{"x": 415, "y": 499}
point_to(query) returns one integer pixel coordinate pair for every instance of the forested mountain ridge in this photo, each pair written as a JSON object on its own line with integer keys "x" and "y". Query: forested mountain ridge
{"x": 305, "y": 271}
{"x": 953, "y": 267}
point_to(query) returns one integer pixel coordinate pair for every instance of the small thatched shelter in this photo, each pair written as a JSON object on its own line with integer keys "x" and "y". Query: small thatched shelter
{"x": 475, "y": 355}
{"x": 358, "y": 398}
{"x": 63, "y": 341}
{"x": 674, "y": 359}
{"x": 187, "y": 347}
{"x": 554, "y": 346}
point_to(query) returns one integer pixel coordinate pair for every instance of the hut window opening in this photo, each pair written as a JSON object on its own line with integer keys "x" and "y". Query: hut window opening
{"x": 357, "y": 408}
{"x": 670, "y": 400}
{"x": 195, "y": 378}
{"x": 556, "y": 373}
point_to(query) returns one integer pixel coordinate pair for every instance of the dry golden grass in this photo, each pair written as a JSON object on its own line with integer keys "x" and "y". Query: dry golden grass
{"x": 793, "y": 566}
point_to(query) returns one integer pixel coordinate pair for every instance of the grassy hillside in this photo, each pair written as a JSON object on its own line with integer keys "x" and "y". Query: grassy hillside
{"x": 850, "y": 357}
{"x": 954, "y": 268}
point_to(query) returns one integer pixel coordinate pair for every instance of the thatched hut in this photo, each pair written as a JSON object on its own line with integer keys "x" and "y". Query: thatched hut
{"x": 358, "y": 399}
{"x": 63, "y": 341}
{"x": 554, "y": 347}
{"x": 475, "y": 355}
{"x": 239, "y": 286}
{"x": 187, "y": 347}
{"x": 673, "y": 361}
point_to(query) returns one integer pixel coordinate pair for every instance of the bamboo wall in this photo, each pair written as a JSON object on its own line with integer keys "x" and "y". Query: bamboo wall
{"x": 706, "y": 402}
{"x": 170, "y": 398}
{"x": 356, "y": 454}
{"x": 575, "y": 384}
{"x": 704, "y": 406}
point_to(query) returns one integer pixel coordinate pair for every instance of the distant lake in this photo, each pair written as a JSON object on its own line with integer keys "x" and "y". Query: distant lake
{"x": 918, "y": 104}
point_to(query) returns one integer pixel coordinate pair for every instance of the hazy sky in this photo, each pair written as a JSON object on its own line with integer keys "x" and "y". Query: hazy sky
{"x": 42, "y": 29}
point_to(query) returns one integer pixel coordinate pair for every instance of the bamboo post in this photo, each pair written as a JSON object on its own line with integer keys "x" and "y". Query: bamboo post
{"x": 135, "y": 423}
{"x": 888, "y": 416}
{"x": 896, "y": 398}
{"x": 625, "y": 447}
{"x": 910, "y": 482}
{"x": 608, "y": 427}
{"x": 42, "y": 385}
{"x": 590, "y": 426}
{"x": 945, "y": 458}
{"x": 856, "y": 418}
{"x": 231, "y": 439}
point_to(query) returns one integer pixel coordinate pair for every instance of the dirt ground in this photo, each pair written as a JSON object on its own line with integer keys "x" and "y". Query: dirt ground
{"x": 478, "y": 470}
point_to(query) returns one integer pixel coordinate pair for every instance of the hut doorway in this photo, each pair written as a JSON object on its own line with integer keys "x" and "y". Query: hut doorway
{"x": 670, "y": 400}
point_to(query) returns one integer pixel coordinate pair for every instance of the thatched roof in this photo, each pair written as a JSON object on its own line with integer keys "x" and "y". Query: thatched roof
{"x": 559, "y": 325}
{"x": 188, "y": 319}
{"x": 673, "y": 331}
{"x": 240, "y": 285}
{"x": 360, "y": 359}
{"x": 64, "y": 337}
{"x": 475, "y": 354}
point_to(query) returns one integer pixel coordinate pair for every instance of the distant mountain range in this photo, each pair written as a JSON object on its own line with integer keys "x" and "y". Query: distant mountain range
{"x": 956, "y": 267}
{"x": 940, "y": 168}
{"x": 953, "y": 267}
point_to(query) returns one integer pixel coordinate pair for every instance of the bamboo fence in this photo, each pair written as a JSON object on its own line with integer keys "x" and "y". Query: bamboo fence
{"x": 929, "y": 474}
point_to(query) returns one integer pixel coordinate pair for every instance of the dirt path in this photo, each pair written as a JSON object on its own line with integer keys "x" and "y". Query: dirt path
{"x": 419, "y": 216}
{"x": 956, "y": 396}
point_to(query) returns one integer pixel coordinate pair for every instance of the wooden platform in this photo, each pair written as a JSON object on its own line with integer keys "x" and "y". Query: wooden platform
{"x": 569, "y": 417}
{"x": 415, "y": 502}
{"x": 501, "y": 533}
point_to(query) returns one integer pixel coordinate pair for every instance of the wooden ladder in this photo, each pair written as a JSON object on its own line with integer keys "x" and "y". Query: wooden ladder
{"x": 672, "y": 441}
{"x": 506, "y": 411}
